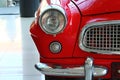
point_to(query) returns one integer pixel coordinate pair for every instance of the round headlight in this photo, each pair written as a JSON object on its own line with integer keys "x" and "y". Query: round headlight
{"x": 53, "y": 20}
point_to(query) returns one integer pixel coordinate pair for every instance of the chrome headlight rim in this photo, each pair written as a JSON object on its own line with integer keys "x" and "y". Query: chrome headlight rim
{"x": 53, "y": 8}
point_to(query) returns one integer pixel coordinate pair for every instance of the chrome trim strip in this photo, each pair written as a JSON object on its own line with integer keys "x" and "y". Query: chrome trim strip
{"x": 73, "y": 72}
{"x": 94, "y": 24}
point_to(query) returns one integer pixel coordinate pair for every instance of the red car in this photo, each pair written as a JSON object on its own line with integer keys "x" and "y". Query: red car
{"x": 78, "y": 39}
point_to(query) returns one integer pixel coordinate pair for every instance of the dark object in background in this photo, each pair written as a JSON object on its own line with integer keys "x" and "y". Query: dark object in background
{"x": 28, "y": 7}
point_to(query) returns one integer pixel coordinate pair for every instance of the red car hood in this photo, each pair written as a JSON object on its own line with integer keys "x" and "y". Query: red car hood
{"x": 89, "y": 7}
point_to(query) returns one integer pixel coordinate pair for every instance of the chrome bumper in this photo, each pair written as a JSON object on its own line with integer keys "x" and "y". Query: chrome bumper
{"x": 88, "y": 70}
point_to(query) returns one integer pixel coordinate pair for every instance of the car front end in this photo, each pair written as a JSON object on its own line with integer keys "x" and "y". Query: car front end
{"x": 78, "y": 38}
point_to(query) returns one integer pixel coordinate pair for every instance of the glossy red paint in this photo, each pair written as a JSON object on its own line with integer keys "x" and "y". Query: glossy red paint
{"x": 83, "y": 54}
{"x": 67, "y": 38}
{"x": 90, "y": 19}
{"x": 89, "y": 7}
{"x": 71, "y": 54}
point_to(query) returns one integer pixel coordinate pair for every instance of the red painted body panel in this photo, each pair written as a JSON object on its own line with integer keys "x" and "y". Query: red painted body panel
{"x": 96, "y": 18}
{"x": 66, "y": 38}
{"x": 89, "y": 7}
{"x": 85, "y": 12}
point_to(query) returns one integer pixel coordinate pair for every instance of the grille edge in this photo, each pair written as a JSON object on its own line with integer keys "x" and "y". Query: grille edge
{"x": 101, "y": 37}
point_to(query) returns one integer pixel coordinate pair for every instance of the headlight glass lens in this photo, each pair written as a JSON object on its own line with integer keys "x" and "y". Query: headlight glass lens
{"x": 52, "y": 21}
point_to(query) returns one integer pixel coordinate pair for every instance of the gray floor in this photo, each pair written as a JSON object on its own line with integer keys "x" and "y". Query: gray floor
{"x": 18, "y": 53}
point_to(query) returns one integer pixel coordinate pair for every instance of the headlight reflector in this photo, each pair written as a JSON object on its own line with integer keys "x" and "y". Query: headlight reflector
{"x": 53, "y": 20}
